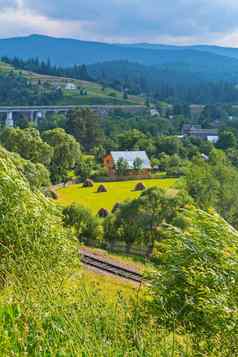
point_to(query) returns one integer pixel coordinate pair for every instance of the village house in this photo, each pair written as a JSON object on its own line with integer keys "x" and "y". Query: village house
{"x": 203, "y": 134}
{"x": 70, "y": 86}
{"x": 130, "y": 157}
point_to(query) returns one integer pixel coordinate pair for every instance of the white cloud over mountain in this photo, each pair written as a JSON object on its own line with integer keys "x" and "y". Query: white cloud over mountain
{"x": 174, "y": 21}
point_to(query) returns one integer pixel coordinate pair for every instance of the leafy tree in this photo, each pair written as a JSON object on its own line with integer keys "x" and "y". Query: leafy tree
{"x": 36, "y": 174}
{"x": 31, "y": 231}
{"x": 28, "y": 143}
{"x": 66, "y": 152}
{"x": 227, "y": 139}
{"x": 169, "y": 145}
{"x": 126, "y": 226}
{"x": 214, "y": 184}
{"x": 85, "y": 168}
{"x": 132, "y": 140}
{"x": 86, "y": 226}
{"x": 122, "y": 167}
{"x": 99, "y": 152}
{"x": 111, "y": 231}
{"x": 84, "y": 125}
{"x": 154, "y": 208}
{"x": 201, "y": 183}
{"x": 138, "y": 164}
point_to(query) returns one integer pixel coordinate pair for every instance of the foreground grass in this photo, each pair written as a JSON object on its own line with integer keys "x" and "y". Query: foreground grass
{"x": 117, "y": 192}
{"x": 80, "y": 315}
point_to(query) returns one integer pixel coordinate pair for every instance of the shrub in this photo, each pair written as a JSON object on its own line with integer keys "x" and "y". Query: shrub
{"x": 196, "y": 287}
{"x": 103, "y": 213}
{"x": 86, "y": 226}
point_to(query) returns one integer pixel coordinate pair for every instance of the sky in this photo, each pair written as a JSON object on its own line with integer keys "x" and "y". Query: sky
{"x": 125, "y": 21}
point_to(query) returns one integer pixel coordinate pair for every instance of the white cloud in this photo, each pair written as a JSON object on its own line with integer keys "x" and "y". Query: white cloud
{"x": 174, "y": 21}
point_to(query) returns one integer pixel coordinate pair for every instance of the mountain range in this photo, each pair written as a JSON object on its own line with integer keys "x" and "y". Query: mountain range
{"x": 166, "y": 71}
{"x": 67, "y": 52}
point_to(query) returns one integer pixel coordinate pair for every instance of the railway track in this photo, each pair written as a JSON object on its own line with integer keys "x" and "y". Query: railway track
{"x": 109, "y": 267}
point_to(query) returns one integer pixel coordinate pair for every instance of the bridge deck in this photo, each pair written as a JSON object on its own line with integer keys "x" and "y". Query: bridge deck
{"x": 13, "y": 109}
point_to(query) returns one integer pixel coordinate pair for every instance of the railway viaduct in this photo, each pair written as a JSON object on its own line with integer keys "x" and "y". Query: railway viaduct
{"x": 36, "y": 113}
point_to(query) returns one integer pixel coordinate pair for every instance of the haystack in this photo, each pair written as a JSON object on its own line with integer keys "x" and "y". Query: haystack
{"x": 116, "y": 207}
{"x": 88, "y": 183}
{"x": 103, "y": 213}
{"x": 52, "y": 194}
{"x": 140, "y": 187}
{"x": 101, "y": 189}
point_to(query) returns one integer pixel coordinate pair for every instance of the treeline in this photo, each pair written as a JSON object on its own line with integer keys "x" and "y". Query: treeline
{"x": 47, "y": 68}
{"x": 17, "y": 90}
{"x": 173, "y": 84}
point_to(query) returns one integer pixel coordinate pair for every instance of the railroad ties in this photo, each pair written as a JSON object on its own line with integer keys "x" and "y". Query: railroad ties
{"x": 109, "y": 267}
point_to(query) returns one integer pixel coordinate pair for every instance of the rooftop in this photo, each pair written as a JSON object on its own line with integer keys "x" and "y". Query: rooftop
{"x": 131, "y": 156}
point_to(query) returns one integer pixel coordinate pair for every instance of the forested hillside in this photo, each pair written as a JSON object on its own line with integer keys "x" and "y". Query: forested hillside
{"x": 39, "y": 83}
{"x": 195, "y": 74}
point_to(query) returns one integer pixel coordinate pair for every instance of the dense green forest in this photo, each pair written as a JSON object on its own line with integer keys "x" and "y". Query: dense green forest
{"x": 174, "y": 83}
{"x": 17, "y": 90}
{"x": 45, "y": 67}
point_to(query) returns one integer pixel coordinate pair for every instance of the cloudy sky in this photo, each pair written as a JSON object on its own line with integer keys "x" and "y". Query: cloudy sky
{"x": 157, "y": 21}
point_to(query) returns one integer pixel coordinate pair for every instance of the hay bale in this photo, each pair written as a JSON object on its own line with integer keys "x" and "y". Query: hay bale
{"x": 103, "y": 213}
{"x": 140, "y": 187}
{"x": 101, "y": 189}
{"x": 116, "y": 207}
{"x": 52, "y": 194}
{"x": 88, "y": 183}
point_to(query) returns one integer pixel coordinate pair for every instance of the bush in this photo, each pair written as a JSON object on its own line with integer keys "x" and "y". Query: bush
{"x": 103, "y": 213}
{"x": 31, "y": 231}
{"x": 86, "y": 226}
{"x": 196, "y": 287}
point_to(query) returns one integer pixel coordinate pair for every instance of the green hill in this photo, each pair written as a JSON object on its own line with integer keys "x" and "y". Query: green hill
{"x": 85, "y": 92}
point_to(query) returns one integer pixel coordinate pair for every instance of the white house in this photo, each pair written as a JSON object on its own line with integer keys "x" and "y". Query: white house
{"x": 70, "y": 86}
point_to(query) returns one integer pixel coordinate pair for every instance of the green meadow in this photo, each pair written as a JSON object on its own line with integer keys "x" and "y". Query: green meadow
{"x": 117, "y": 192}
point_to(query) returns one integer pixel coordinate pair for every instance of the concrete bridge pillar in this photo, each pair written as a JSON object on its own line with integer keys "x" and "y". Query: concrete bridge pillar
{"x": 31, "y": 116}
{"x": 9, "y": 121}
{"x": 38, "y": 116}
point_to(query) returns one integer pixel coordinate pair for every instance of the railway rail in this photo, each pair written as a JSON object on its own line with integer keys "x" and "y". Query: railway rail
{"x": 109, "y": 267}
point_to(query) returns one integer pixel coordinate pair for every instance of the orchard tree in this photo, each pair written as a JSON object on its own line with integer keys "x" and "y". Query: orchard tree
{"x": 138, "y": 164}
{"x": 84, "y": 125}
{"x": 28, "y": 143}
{"x": 132, "y": 139}
{"x": 122, "y": 167}
{"x": 85, "y": 225}
{"x": 66, "y": 152}
{"x": 170, "y": 145}
{"x": 227, "y": 140}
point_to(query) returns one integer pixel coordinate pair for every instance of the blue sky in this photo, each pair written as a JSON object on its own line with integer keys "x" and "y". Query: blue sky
{"x": 155, "y": 21}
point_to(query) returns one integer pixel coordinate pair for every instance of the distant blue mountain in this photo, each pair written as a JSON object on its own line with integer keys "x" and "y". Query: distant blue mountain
{"x": 202, "y": 62}
{"x": 67, "y": 52}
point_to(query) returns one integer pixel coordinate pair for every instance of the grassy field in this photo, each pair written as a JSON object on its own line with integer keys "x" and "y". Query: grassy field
{"x": 117, "y": 192}
{"x": 96, "y": 94}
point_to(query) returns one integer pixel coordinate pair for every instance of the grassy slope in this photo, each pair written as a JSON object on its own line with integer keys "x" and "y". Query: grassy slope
{"x": 117, "y": 192}
{"x": 95, "y": 93}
